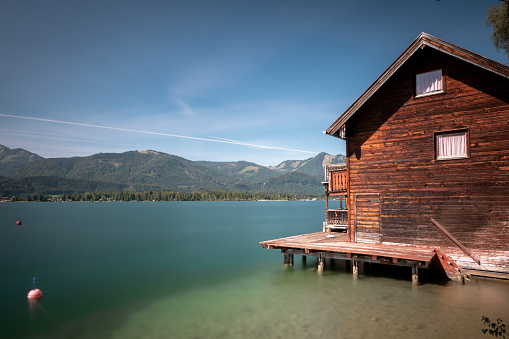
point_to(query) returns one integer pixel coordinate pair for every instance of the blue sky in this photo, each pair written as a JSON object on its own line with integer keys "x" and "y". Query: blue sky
{"x": 208, "y": 80}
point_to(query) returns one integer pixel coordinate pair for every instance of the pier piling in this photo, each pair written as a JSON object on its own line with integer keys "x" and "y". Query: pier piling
{"x": 321, "y": 263}
{"x": 355, "y": 268}
{"x": 415, "y": 275}
{"x": 288, "y": 259}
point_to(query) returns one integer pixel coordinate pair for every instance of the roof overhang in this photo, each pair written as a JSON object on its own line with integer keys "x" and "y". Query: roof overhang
{"x": 337, "y": 129}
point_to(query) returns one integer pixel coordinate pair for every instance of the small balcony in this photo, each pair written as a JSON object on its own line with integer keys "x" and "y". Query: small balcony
{"x": 337, "y": 217}
{"x": 337, "y": 179}
{"x": 336, "y": 220}
{"x": 336, "y": 186}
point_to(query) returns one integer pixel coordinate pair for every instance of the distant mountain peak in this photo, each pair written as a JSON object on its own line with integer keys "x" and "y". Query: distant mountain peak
{"x": 312, "y": 166}
{"x": 13, "y": 159}
{"x": 149, "y": 169}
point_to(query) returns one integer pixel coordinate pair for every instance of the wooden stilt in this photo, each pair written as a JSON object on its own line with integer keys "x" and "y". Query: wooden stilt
{"x": 415, "y": 275}
{"x": 355, "y": 268}
{"x": 288, "y": 259}
{"x": 321, "y": 263}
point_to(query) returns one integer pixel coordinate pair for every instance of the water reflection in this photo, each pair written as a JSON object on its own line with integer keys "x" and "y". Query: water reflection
{"x": 33, "y": 306}
{"x": 39, "y": 314}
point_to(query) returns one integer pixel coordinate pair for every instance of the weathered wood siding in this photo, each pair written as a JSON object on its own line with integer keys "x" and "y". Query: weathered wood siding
{"x": 367, "y": 218}
{"x": 390, "y": 150}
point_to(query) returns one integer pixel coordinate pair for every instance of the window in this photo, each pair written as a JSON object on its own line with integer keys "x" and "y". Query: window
{"x": 452, "y": 145}
{"x": 429, "y": 83}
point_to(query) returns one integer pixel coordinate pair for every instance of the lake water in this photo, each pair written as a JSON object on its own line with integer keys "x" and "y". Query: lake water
{"x": 196, "y": 270}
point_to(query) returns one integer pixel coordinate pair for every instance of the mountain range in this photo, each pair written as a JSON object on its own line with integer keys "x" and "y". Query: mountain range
{"x": 23, "y": 172}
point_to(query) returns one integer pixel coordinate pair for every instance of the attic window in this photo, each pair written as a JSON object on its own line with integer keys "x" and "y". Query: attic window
{"x": 429, "y": 83}
{"x": 452, "y": 145}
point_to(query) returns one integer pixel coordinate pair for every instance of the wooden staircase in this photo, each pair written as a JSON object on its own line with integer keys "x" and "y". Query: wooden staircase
{"x": 448, "y": 266}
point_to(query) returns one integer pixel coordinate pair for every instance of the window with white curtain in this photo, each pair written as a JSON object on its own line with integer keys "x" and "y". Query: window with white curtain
{"x": 429, "y": 83}
{"x": 452, "y": 145}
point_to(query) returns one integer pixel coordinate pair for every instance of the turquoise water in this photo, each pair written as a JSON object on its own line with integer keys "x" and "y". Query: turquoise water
{"x": 196, "y": 270}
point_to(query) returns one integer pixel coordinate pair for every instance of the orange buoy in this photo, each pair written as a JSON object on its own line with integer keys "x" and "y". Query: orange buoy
{"x": 34, "y": 294}
{"x": 18, "y": 222}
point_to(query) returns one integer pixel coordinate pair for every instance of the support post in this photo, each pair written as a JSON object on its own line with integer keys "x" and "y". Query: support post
{"x": 326, "y": 186}
{"x": 288, "y": 259}
{"x": 415, "y": 274}
{"x": 321, "y": 263}
{"x": 355, "y": 268}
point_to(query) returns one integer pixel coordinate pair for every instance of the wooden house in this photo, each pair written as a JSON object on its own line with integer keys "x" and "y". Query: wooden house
{"x": 427, "y": 148}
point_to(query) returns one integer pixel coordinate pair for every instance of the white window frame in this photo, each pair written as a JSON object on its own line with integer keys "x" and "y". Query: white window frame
{"x": 429, "y": 80}
{"x": 439, "y": 136}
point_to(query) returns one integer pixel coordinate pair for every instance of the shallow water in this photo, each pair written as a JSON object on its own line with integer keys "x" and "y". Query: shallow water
{"x": 196, "y": 270}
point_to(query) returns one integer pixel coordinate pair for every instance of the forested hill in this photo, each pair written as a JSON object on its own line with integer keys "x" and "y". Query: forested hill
{"x": 12, "y": 160}
{"x": 137, "y": 171}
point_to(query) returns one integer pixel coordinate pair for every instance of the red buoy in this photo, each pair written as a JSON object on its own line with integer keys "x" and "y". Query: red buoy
{"x": 18, "y": 222}
{"x": 35, "y": 294}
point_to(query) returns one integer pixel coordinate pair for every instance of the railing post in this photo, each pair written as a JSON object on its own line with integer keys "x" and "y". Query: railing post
{"x": 326, "y": 186}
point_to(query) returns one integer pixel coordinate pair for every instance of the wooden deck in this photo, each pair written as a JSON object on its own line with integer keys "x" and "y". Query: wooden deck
{"x": 318, "y": 244}
{"x": 339, "y": 247}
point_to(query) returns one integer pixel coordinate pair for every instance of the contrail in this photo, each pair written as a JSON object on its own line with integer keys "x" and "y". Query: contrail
{"x": 225, "y": 141}
{"x": 42, "y": 135}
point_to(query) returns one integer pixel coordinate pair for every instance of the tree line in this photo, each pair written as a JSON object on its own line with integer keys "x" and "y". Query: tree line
{"x": 162, "y": 196}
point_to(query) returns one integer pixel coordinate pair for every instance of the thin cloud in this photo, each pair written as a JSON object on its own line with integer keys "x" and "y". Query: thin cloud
{"x": 225, "y": 141}
{"x": 185, "y": 109}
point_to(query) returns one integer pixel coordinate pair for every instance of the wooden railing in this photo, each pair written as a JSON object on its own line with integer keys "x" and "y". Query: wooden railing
{"x": 337, "y": 217}
{"x": 338, "y": 181}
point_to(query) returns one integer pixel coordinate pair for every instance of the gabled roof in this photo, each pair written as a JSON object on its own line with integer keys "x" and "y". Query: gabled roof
{"x": 424, "y": 39}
